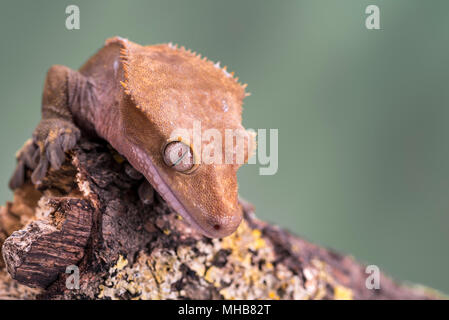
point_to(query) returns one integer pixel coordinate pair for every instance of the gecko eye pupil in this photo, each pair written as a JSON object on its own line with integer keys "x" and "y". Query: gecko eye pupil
{"x": 178, "y": 156}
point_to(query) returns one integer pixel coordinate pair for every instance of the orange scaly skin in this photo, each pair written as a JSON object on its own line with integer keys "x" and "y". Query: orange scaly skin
{"x": 134, "y": 97}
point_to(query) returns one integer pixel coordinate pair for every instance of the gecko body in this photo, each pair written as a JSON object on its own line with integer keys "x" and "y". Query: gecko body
{"x": 134, "y": 97}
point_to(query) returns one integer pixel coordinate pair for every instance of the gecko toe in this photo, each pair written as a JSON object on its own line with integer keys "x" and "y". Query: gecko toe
{"x": 55, "y": 154}
{"x": 146, "y": 193}
{"x": 25, "y": 159}
{"x": 34, "y": 161}
{"x": 132, "y": 173}
{"x": 40, "y": 171}
{"x": 30, "y": 156}
{"x": 69, "y": 139}
{"x": 18, "y": 177}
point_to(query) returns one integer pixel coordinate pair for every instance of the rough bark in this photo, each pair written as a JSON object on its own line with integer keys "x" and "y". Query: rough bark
{"x": 89, "y": 214}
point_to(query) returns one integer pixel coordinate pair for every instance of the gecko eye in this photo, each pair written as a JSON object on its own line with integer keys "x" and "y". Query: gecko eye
{"x": 179, "y": 156}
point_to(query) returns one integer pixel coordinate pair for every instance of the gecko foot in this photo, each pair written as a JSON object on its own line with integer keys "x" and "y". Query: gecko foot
{"x": 51, "y": 139}
{"x": 54, "y": 137}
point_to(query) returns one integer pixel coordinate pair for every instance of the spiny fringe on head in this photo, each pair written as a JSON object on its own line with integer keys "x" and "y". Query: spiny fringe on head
{"x": 205, "y": 59}
{"x": 124, "y": 54}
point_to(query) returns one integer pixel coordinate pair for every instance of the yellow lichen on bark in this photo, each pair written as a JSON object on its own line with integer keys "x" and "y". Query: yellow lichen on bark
{"x": 247, "y": 271}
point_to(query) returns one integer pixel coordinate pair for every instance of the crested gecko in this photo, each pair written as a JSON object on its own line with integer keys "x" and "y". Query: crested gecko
{"x": 134, "y": 96}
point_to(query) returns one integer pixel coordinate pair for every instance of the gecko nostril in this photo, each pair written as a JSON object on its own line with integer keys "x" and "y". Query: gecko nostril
{"x": 217, "y": 227}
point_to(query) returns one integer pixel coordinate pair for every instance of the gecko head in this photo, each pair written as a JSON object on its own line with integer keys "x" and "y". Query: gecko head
{"x": 206, "y": 189}
{"x": 172, "y": 98}
{"x": 204, "y": 193}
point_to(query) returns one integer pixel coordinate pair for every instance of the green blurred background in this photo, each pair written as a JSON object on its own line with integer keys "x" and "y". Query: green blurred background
{"x": 362, "y": 114}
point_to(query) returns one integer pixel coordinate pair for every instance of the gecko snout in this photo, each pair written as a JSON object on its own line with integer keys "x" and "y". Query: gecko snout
{"x": 224, "y": 224}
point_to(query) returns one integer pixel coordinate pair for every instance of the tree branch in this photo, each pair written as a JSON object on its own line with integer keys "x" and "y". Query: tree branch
{"x": 89, "y": 214}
